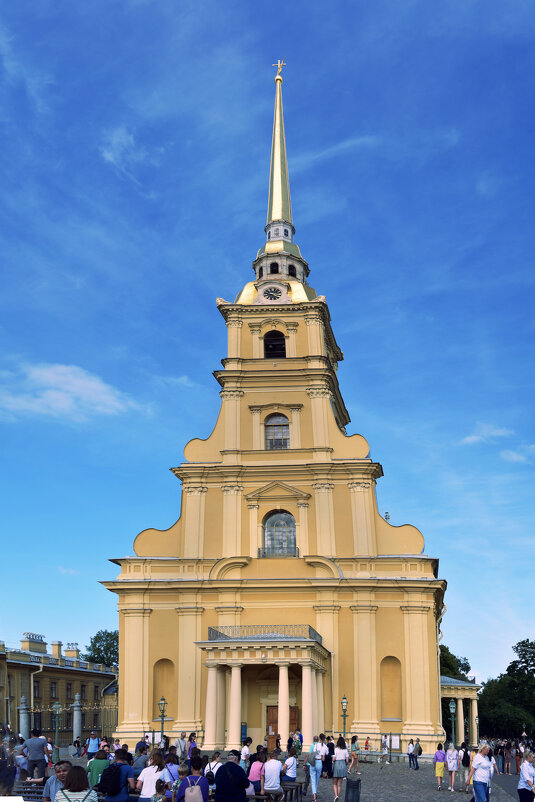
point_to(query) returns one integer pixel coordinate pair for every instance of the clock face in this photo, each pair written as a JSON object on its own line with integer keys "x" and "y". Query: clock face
{"x": 272, "y": 293}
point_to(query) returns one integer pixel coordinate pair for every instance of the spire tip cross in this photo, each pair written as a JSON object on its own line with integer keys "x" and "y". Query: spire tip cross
{"x": 279, "y": 65}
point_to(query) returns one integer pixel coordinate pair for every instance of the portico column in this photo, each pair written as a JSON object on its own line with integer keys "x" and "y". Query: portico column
{"x": 306, "y": 705}
{"x": 459, "y": 728}
{"x": 284, "y": 703}
{"x": 24, "y": 718}
{"x": 473, "y": 725}
{"x": 321, "y": 702}
{"x": 210, "y": 713}
{"x": 77, "y": 718}
{"x": 221, "y": 708}
{"x": 234, "y": 722}
{"x": 315, "y": 728}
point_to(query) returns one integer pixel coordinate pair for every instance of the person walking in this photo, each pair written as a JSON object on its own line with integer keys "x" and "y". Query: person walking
{"x": 245, "y": 755}
{"x": 92, "y": 745}
{"x": 416, "y": 754}
{"x": 383, "y": 757}
{"x": 480, "y": 774}
{"x": 452, "y": 761}
{"x": 410, "y": 752}
{"x": 526, "y": 783}
{"x": 439, "y": 760}
{"x": 354, "y": 752}
{"x": 463, "y": 766}
{"x": 181, "y": 747}
{"x": 35, "y": 750}
{"x": 341, "y": 759}
{"x": 315, "y": 760}
{"x": 508, "y": 756}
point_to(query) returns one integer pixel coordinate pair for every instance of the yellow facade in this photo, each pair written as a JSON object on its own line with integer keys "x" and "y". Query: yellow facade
{"x": 206, "y": 608}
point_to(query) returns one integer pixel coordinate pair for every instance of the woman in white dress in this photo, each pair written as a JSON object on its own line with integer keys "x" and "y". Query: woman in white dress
{"x": 452, "y": 761}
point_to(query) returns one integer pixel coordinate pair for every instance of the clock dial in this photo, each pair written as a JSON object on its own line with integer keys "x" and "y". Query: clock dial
{"x": 272, "y": 293}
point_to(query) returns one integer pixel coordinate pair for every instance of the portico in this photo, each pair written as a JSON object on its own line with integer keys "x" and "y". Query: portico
{"x": 465, "y": 695}
{"x": 253, "y": 669}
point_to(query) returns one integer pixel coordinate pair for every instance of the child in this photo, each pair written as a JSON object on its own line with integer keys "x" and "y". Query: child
{"x": 183, "y": 772}
{"x": 159, "y": 796}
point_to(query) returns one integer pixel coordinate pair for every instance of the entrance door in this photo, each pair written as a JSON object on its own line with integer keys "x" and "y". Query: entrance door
{"x": 272, "y": 723}
{"x": 294, "y": 718}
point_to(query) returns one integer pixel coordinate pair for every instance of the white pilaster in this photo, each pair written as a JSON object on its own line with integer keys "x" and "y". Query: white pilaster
{"x": 210, "y": 715}
{"x": 306, "y": 705}
{"x": 234, "y": 722}
{"x": 284, "y": 703}
{"x": 362, "y": 518}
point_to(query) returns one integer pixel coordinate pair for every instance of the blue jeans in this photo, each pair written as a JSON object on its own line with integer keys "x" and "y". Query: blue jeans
{"x": 415, "y": 759}
{"x": 480, "y": 791}
{"x": 315, "y": 774}
{"x": 411, "y": 759}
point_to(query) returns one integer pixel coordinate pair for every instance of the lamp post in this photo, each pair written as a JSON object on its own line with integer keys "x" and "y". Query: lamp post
{"x": 57, "y": 710}
{"x": 477, "y": 730}
{"x": 344, "y": 704}
{"x": 452, "y": 706}
{"x": 162, "y": 704}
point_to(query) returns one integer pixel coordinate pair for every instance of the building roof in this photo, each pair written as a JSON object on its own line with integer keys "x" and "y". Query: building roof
{"x": 461, "y": 682}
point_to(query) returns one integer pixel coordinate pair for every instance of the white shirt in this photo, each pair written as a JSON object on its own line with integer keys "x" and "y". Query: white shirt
{"x": 149, "y": 776}
{"x": 321, "y": 749}
{"x": 410, "y": 749}
{"x": 452, "y": 759}
{"x": 272, "y": 774}
{"x": 482, "y": 768}
{"x": 213, "y": 767}
{"x": 291, "y": 767}
{"x": 341, "y": 754}
{"x": 245, "y": 752}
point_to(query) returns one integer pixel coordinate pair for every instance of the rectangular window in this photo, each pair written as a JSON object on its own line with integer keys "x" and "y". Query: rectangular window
{"x": 68, "y": 721}
{"x": 37, "y": 721}
{"x": 84, "y": 721}
{"x": 53, "y": 690}
{"x": 36, "y": 689}
{"x": 68, "y": 691}
{"x": 96, "y": 694}
{"x": 83, "y": 691}
{"x": 95, "y": 720}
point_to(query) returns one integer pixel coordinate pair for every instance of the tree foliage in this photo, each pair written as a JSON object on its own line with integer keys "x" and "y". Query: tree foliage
{"x": 507, "y": 703}
{"x": 453, "y": 666}
{"x": 104, "y": 648}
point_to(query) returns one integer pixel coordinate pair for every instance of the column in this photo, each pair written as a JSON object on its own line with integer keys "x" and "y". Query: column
{"x": 221, "y": 696}
{"x": 210, "y": 714}
{"x": 302, "y": 543}
{"x": 291, "y": 350}
{"x": 254, "y": 543}
{"x": 362, "y": 518}
{"x": 233, "y": 328}
{"x": 24, "y": 718}
{"x": 365, "y": 669}
{"x": 306, "y": 705}
{"x": 231, "y": 520}
{"x": 320, "y": 404}
{"x": 76, "y": 717}
{"x": 325, "y": 539}
{"x": 189, "y": 668}
{"x": 315, "y": 335}
{"x": 416, "y": 669}
{"x": 135, "y": 702}
{"x": 258, "y": 343}
{"x": 231, "y": 417}
{"x": 234, "y": 722}
{"x": 284, "y": 703}
{"x": 459, "y": 721}
{"x": 194, "y": 521}
{"x": 320, "y": 702}
{"x": 295, "y": 427}
{"x": 473, "y": 723}
{"x": 315, "y": 727}
{"x": 258, "y": 443}
{"x": 327, "y": 625}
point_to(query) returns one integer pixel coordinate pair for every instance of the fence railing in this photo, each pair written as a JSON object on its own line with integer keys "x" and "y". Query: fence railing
{"x": 264, "y": 632}
{"x": 274, "y": 552}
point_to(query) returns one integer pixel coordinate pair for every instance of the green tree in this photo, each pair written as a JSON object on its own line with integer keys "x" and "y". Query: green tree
{"x": 453, "y": 666}
{"x": 507, "y": 703}
{"x": 104, "y": 648}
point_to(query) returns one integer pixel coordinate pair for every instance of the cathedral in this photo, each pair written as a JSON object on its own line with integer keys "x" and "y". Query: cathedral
{"x": 281, "y": 598}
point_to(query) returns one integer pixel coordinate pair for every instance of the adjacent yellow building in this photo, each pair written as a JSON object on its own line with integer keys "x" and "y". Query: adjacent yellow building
{"x": 281, "y": 588}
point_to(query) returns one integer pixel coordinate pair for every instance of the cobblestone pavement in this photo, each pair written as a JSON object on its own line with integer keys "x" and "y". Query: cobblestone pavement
{"x": 397, "y": 783}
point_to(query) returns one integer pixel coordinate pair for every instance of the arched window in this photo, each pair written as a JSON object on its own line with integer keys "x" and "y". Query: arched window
{"x": 274, "y": 345}
{"x": 277, "y": 432}
{"x": 292, "y": 271}
{"x": 285, "y": 232}
{"x": 279, "y": 535}
{"x": 274, "y": 267}
{"x": 260, "y": 272}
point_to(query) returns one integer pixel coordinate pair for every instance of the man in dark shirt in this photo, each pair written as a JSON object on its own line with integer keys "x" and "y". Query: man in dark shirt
{"x": 140, "y": 745}
{"x": 127, "y": 778}
{"x": 231, "y": 780}
{"x": 35, "y": 750}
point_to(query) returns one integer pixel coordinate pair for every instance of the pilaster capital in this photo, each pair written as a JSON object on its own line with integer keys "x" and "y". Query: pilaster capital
{"x": 256, "y": 410}
{"x": 302, "y": 505}
{"x": 195, "y": 490}
{"x": 292, "y": 327}
{"x": 232, "y": 490}
{"x": 313, "y": 320}
{"x": 189, "y": 610}
{"x": 136, "y": 612}
{"x": 296, "y": 408}
{"x": 421, "y": 609}
{"x": 318, "y": 392}
{"x": 369, "y": 609}
{"x": 255, "y": 328}
{"x": 359, "y": 486}
{"x": 283, "y": 663}
{"x": 326, "y": 608}
{"x": 254, "y": 506}
{"x": 234, "y": 324}
{"x": 229, "y": 608}
{"x": 323, "y": 487}
{"x": 225, "y": 394}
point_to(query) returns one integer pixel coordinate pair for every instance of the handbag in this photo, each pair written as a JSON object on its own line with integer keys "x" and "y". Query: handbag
{"x": 311, "y": 758}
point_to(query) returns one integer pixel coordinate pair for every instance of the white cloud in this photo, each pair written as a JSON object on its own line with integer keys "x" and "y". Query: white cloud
{"x": 70, "y": 571}
{"x": 59, "y": 391}
{"x": 121, "y": 150}
{"x": 509, "y": 455}
{"x": 305, "y": 160}
{"x": 485, "y": 433}
{"x": 16, "y": 71}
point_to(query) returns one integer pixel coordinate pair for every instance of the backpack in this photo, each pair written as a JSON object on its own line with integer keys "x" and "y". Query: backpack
{"x": 209, "y": 773}
{"x": 193, "y": 793}
{"x": 110, "y": 780}
{"x": 466, "y": 759}
{"x": 417, "y": 750}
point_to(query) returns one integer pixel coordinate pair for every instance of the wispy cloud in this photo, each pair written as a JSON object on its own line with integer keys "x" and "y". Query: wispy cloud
{"x": 18, "y": 72}
{"x": 59, "y": 391}
{"x": 306, "y": 160}
{"x": 69, "y": 571}
{"x": 521, "y": 454}
{"x": 485, "y": 433}
{"x": 121, "y": 150}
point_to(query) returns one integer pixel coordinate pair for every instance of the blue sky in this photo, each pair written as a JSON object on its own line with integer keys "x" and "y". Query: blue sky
{"x": 134, "y": 163}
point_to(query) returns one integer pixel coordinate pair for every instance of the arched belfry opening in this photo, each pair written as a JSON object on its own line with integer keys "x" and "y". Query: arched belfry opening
{"x": 274, "y": 345}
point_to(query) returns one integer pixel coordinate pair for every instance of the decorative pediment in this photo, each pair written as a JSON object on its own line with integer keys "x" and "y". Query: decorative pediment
{"x": 277, "y": 491}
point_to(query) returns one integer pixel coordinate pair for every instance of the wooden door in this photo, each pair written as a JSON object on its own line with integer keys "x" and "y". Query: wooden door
{"x": 272, "y": 723}
{"x": 294, "y": 718}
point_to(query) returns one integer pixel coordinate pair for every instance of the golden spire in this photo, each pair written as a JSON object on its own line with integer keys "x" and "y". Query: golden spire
{"x": 279, "y": 203}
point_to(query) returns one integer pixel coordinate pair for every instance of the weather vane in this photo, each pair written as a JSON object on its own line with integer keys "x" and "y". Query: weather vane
{"x": 279, "y": 65}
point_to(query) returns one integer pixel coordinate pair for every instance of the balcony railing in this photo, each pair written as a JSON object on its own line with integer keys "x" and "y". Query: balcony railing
{"x": 263, "y": 632}
{"x": 273, "y": 552}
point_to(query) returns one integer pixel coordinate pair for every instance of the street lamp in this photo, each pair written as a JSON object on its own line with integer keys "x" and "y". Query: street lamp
{"x": 162, "y": 704}
{"x": 452, "y": 706}
{"x": 57, "y": 710}
{"x": 477, "y": 730}
{"x": 344, "y": 704}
